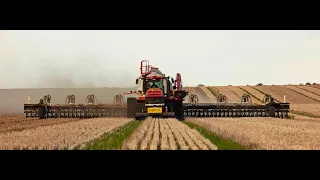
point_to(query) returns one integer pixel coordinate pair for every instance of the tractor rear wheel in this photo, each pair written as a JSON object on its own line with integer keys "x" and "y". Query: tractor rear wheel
{"x": 131, "y": 107}
{"x": 178, "y": 109}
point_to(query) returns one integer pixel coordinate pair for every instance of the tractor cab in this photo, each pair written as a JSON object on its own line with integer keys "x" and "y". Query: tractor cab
{"x": 154, "y": 84}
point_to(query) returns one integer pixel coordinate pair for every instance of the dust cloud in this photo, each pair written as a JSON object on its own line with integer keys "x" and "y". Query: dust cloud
{"x": 44, "y": 59}
{"x": 32, "y": 59}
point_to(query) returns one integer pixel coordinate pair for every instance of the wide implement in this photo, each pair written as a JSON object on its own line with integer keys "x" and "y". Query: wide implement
{"x": 45, "y": 110}
{"x": 157, "y": 95}
{"x": 278, "y": 110}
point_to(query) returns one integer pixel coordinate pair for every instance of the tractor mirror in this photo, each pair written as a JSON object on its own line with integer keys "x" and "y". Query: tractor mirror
{"x": 137, "y": 80}
{"x": 174, "y": 87}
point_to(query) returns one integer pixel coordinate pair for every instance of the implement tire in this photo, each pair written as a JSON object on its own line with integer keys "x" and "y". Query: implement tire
{"x": 131, "y": 107}
{"x": 42, "y": 112}
{"x": 272, "y": 111}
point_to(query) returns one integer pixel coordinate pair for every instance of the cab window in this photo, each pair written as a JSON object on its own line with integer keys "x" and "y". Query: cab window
{"x": 155, "y": 84}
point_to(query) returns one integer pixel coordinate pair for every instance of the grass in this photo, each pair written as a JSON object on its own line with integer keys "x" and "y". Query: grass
{"x": 290, "y": 117}
{"x": 213, "y": 92}
{"x": 221, "y": 143}
{"x": 113, "y": 140}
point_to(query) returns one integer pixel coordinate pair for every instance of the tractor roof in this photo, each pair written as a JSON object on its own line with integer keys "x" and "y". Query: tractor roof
{"x": 154, "y": 73}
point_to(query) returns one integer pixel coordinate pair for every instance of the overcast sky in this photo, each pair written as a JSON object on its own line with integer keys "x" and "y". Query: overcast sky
{"x": 30, "y": 59}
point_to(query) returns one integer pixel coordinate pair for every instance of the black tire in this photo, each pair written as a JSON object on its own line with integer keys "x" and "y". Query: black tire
{"x": 42, "y": 112}
{"x": 178, "y": 109}
{"x": 140, "y": 108}
{"x": 272, "y": 111}
{"x": 131, "y": 107}
{"x": 170, "y": 105}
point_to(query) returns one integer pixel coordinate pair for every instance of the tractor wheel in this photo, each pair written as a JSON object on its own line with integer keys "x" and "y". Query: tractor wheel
{"x": 131, "y": 107}
{"x": 178, "y": 109}
{"x": 42, "y": 112}
{"x": 140, "y": 109}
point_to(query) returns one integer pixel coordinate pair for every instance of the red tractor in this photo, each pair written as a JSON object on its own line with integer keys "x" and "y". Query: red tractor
{"x": 158, "y": 95}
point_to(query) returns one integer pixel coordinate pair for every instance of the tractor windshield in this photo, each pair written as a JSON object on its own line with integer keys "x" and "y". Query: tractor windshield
{"x": 155, "y": 84}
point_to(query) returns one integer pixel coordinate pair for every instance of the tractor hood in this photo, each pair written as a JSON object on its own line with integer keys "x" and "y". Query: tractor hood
{"x": 154, "y": 92}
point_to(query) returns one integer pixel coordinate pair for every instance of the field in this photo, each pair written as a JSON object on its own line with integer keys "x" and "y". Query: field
{"x": 302, "y": 131}
{"x": 60, "y": 136}
{"x": 204, "y": 96}
{"x": 266, "y": 133}
{"x": 18, "y": 122}
{"x": 211, "y": 97}
{"x": 167, "y": 134}
{"x": 303, "y": 99}
{"x": 312, "y": 110}
{"x": 311, "y": 89}
{"x": 231, "y": 95}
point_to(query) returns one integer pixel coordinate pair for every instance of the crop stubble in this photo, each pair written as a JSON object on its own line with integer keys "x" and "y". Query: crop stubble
{"x": 203, "y": 97}
{"x": 60, "y": 136}
{"x": 232, "y": 97}
{"x": 239, "y": 92}
{"x": 304, "y": 92}
{"x": 208, "y": 93}
{"x": 253, "y": 91}
{"x": 13, "y": 122}
{"x": 172, "y": 145}
{"x": 311, "y": 89}
{"x": 304, "y": 118}
{"x": 166, "y": 134}
{"x": 265, "y": 133}
{"x": 308, "y": 108}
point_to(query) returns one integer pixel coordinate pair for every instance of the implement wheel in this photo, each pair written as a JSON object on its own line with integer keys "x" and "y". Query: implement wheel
{"x": 131, "y": 107}
{"x": 42, "y": 112}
